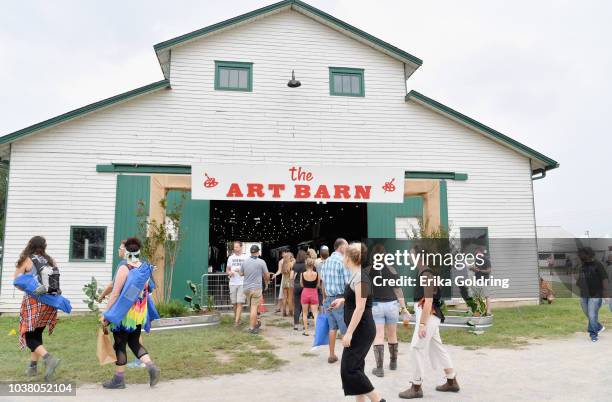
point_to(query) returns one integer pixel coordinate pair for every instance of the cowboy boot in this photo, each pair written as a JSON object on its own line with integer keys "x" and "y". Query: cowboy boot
{"x": 451, "y": 385}
{"x": 379, "y": 355}
{"x": 413, "y": 392}
{"x": 393, "y": 347}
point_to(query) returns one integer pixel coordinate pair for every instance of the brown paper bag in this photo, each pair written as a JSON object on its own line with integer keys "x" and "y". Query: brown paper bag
{"x": 106, "y": 352}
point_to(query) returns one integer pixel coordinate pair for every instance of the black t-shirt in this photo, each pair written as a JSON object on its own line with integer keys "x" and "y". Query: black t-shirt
{"x": 486, "y": 264}
{"x": 590, "y": 279}
{"x": 382, "y": 292}
{"x": 422, "y": 292}
{"x": 298, "y": 269}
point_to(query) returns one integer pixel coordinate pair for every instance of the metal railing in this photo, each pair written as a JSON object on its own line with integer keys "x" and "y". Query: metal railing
{"x": 216, "y": 285}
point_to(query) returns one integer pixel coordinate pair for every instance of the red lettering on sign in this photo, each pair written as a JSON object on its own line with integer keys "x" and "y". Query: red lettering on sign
{"x": 322, "y": 192}
{"x": 302, "y": 191}
{"x": 298, "y": 174}
{"x": 342, "y": 191}
{"x": 276, "y": 189}
{"x": 255, "y": 189}
{"x": 362, "y": 192}
{"x": 234, "y": 191}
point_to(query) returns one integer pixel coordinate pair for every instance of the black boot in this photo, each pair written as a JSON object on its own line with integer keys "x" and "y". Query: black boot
{"x": 393, "y": 348}
{"x": 379, "y": 355}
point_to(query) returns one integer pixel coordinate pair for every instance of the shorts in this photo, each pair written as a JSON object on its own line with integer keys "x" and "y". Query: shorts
{"x": 386, "y": 312}
{"x": 483, "y": 291}
{"x": 310, "y": 296}
{"x": 335, "y": 318}
{"x": 236, "y": 294}
{"x": 253, "y": 296}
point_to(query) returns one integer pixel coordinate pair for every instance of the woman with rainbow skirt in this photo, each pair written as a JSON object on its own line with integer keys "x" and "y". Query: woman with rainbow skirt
{"x": 130, "y": 309}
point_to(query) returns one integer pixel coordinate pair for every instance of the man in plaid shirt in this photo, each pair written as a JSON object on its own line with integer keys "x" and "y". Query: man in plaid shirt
{"x": 334, "y": 276}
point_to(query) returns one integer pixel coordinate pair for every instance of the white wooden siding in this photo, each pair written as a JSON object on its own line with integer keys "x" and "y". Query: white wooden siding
{"x": 54, "y": 183}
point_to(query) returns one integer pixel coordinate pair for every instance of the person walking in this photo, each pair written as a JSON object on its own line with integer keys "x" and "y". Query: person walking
{"x": 426, "y": 342}
{"x": 255, "y": 273}
{"x": 236, "y": 281}
{"x": 388, "y": 303}
{"x": 296, "y": 276}
{"x": 310, "y": 283}
{"x": 35, "y": 316}
{"x": 323, "y": 255}
{"x": 127, "y": 314}
{"x": 593, "y": 286}
{"x": 285, "y": 268}
{"x": 482, "y": 272}
{"x": 361, "y": 330}
{"x": 334, "y": 277}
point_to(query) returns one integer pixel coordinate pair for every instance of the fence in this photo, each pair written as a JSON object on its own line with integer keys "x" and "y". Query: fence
{"x": 215, "y": 285}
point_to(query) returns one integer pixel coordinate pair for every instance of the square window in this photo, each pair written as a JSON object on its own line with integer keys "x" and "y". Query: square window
{"x": 233, "y": 76}
{"x": 345, "y": 81}
{"x": 87, "y": 243}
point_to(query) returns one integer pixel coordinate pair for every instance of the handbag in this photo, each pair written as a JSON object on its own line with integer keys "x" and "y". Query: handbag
{"x": 105, "y": 351}
{"x": 321, "y": 336}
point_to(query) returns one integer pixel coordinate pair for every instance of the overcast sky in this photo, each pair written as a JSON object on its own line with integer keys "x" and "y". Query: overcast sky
{"x": 538, "y": 71}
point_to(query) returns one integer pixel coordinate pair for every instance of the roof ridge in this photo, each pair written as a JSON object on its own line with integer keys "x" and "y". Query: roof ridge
{"x": 549, "y": 162}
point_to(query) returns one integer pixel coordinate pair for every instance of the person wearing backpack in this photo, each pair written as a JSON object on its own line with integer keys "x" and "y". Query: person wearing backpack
{"x": 129, "y": 311}
{"x": 34, "y": 315}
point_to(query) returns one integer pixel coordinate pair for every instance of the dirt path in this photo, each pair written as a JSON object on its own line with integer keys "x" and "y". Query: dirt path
{"x": 572, "y": 369}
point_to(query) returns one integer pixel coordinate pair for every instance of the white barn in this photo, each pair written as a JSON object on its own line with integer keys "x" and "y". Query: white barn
{"x": 224, "y": 97}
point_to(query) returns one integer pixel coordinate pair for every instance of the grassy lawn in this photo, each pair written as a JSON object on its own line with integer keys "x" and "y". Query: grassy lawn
{"x": 515, "y": 327}
{"x": 196, "y": 352}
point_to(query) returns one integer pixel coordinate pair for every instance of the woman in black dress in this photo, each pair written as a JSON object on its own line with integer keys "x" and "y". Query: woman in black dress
{"x": 360, "y": 331}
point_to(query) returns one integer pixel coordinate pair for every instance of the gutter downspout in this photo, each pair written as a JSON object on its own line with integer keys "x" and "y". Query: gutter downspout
{"x": 8, "y": 175}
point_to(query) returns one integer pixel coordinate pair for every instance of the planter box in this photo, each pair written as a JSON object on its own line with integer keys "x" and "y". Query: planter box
{"x": 187, "y": 322}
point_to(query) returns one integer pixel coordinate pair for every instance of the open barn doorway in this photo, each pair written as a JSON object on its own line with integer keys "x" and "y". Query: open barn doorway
{"x": 277, "y": 225}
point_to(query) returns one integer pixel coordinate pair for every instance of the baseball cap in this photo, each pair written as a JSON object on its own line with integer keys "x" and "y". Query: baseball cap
{"x": 254, "y": 248}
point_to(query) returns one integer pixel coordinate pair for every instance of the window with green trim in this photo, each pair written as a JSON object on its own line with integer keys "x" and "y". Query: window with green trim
{"x": 345, "y": 81}
{"x": 233, "y": 76}
{"x": 87, "y": 243}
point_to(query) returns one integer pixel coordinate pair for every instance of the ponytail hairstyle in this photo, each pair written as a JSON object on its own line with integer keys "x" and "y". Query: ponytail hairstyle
{"x": 353, "y": 253}
{"x": 310, "y": 263}
{"x": 37, "y": 245}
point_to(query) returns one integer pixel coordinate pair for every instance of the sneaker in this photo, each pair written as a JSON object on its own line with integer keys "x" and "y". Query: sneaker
{"x": 594, "y": 339}
{"x": 51, "y": 364}
{"x": 601, "y": 330}
{"x": 136, "y": 363}
{"x": 254, "y": 331}
{"x": 114, "y": 383}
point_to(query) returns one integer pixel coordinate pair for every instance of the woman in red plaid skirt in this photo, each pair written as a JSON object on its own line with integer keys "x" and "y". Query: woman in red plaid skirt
{"x": 34, "y": 315}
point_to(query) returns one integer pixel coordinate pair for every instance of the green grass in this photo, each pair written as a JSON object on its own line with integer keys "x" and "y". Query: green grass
{"x": 515, "y": 327}
{"x": 187, "y": 353}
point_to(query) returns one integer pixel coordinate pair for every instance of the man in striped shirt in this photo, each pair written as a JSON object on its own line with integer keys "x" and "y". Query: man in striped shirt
{"x": 334, "y": 276}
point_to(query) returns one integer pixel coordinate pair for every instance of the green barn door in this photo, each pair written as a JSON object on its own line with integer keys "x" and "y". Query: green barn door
{"x": 131, "y": 190}
{"x": 381, "y": 217}
{"x": 192, "y": 260}
{"x": 381, "y": 225}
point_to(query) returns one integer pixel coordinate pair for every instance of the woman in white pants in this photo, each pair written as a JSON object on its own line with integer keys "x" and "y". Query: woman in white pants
{"x": 426, "y": 342}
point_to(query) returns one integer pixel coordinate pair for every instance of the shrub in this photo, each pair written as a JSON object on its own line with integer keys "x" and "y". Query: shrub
{"x": 174, "y": 308}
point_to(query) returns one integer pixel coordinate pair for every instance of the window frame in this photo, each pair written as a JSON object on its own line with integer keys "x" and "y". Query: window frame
{"x": 347, "y": 71}
{"x": 235, "y": 65}
{"x": 103, "y": 259}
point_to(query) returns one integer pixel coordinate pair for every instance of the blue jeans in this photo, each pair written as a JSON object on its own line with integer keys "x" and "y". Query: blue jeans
{"x": 590, "y": 307}
{"x": 335, "y": 318}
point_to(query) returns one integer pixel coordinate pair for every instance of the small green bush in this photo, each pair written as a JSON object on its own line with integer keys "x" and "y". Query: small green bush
{"x": 174, "y": 308}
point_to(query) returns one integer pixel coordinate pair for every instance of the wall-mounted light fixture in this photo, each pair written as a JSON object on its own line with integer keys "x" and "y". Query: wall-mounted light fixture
{"x": 293, "y": 83}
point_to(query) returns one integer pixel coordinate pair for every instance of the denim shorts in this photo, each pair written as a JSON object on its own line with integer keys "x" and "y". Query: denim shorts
{"x": 335, "y": 318}
{"x": 386, "y": 312}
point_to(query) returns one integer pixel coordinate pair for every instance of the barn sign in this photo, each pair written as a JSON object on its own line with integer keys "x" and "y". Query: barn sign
{"x": 297, "y": 183}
